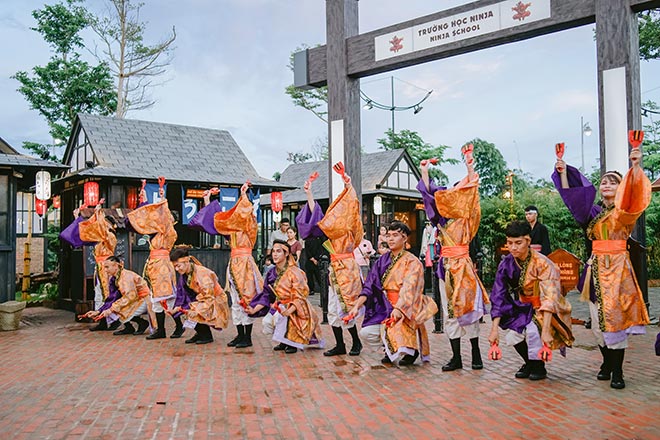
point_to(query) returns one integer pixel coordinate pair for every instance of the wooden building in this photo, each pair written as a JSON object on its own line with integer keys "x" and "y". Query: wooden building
{"x": 17, "y": 177}
{"x": 389, "y": 175}
{"x": 117, "y": 154}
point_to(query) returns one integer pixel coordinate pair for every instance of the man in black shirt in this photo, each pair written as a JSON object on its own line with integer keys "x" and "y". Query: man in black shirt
{"x": 539, "y": 235}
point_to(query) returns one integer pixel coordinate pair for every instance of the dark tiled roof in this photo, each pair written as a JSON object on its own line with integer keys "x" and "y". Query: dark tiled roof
{"x": 144, "y": 149}
{"x": 19, "y": 160}
{"x": 375, "y": 168}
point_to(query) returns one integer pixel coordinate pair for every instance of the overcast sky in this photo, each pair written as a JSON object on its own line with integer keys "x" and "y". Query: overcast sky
{"x": 230, "y": 70}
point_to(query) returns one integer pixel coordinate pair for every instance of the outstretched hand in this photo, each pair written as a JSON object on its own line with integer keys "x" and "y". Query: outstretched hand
{"x": 635, "y": 157}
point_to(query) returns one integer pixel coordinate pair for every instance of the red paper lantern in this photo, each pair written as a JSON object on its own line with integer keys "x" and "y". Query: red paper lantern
{"x": 276, "y": 201}
{"x": 132, "y": 198}
{"x": 40, "y": 206}
{"x": 91, "y": 194}
{"x": 56, "y": 202}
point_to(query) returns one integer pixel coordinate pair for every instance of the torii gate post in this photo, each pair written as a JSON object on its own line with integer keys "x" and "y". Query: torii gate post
{"x": 349, "y": 56}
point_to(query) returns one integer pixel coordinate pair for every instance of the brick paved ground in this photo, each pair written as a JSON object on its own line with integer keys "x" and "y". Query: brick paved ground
{"x": 62, "y": 381}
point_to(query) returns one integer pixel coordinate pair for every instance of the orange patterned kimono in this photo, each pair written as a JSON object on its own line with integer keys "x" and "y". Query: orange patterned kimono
{"x": 343, "y": 227}
{"x": 541, "y": 288}
{"x": 619, "y": 298}
{"x": 210, "y": 304}
{"x": 241, "y": 226}
{"x": 157, "y": 219}
{"x": 97, "y": 229}
{"x": 134, "y": 290}
{"x": 460, "y": 205}
{"x": 302, "y": 327}
{"x": 403, "y": 283}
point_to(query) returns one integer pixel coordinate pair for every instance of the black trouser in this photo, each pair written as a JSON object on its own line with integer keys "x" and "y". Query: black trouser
{"x": 313, "y": 276}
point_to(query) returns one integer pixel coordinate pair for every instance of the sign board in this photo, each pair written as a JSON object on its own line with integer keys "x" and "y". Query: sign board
{"x": 569, "y": 269}
{"x": 469, "y": 24}
{"x": 42, "y": 185}
{"x": 194, "y": 193}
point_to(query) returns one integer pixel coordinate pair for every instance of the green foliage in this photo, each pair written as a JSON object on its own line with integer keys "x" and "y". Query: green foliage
{"x": 491, "y": 167}
{"x": 66, "y": 85}
{"x": 52, "y": 236}
{"x": 653, "y": 237}
{"x": 277, "y": 176}
{"x": 298, "y": 157}
{"x": 315, "y": 100}
{"x": 649, "y": 35}
{"x": 651, "y": 145}
{"x": 418, "y": 149}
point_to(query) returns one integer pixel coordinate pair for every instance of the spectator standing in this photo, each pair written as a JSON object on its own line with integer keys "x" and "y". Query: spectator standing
{"x": 539, "y": 235}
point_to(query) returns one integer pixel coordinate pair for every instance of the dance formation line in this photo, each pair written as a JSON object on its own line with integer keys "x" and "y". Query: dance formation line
{"x": 527, "y": 307}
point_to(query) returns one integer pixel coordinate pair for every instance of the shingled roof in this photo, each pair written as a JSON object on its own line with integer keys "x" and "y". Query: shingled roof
{"x": 25, "y": 165}
{"x": 375, "y": 169}
{"x": 145, "y": 150}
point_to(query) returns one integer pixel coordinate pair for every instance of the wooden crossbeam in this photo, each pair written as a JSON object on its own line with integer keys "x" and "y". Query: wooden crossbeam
{"x": 565, "y": 14}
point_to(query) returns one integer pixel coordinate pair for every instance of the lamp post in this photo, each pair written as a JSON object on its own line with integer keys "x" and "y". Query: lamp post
{"x": 417, "y": 107}
{"x": 585, "y": 130}
{"x": 508, "y": 194}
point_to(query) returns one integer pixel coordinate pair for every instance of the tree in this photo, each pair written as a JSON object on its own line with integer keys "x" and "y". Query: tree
{"x": 298, "y": 157}
{"x": 649, "y": 35}
{"x": 418, "y": 149}
{"x": 67, "y": 85}
{"x": 134, "y": 63}
{"x": 651, "y": 145}
{"x": 491, "y": 167}
{"x": 315, "y": 100}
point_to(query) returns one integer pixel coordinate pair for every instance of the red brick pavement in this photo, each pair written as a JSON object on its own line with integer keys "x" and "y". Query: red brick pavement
{"x": 62, "y": 381}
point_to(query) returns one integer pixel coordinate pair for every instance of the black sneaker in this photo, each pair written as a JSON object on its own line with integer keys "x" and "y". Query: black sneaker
{"x": 193, "y": 340}
{"x": 280, "y": 347}
{"x": 408, "y": 359}
{"x": 523, "y": 372}
{"x": 289, "y": 349}
{"x": 127, "y": 330}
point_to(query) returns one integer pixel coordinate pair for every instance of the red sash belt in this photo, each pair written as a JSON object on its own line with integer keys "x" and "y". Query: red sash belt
{"x": 603, "y": 247}
{"x": 338, "y": 257}
{"x": 535, "y": 301}
{"x": 392, "y": 296}
{"x": 241, "y": 252}
{"x": 159, "y": 253}
{"x": 454, "y": 251}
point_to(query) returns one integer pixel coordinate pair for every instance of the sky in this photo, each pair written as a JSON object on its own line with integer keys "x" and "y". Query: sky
{"x": 230, "y": 69}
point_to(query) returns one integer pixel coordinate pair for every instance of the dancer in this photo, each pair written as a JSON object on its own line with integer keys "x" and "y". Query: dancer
{"x": 285, "y": 290}
{"x": 526, "y": 300}
{"x": 243, "y": 275}
{"x": 132, "y": 293}
{"x": 97, "y": 231}
{"x": 456, "y": 214}
{"x": 205, "y": 303}
{"x": 156, "y": 220}
{"x": 608, "y": 282}
{"x": 396, "y": 308}
{"x": 343, "y": 227}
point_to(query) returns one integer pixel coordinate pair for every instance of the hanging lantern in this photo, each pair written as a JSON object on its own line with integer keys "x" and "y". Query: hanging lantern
{"x": 91, "y": 194}
{"x": 56, "y": 202}
{"x": 378, "y": 205}
{"x": 132, "y": 198}
{"x": 42, "y": 185}
{"x": 276, "y": 201}
{"x": 40, "y": 206}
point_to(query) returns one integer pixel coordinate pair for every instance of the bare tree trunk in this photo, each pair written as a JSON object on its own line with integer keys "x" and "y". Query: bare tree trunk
{"x": 121, "y": 13}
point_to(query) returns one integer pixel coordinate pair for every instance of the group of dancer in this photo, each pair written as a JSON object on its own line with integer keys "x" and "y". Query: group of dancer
{"x": 527, "y": 305}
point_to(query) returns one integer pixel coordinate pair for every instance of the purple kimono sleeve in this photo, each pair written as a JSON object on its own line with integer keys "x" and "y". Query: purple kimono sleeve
{"x": 307, "y": 222}
{"x": 203, "y": 220}
{"x": 266, "y": 297}
{"x": 513, "y": 314}
{"x": 377, "y": 307}
{"x": 184, "y": 295}
{"x": 71, "y": 234}
{"x": 113, "y": 295}
{"x": 429, "y": 202}
{"x": 579, "y": 197}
